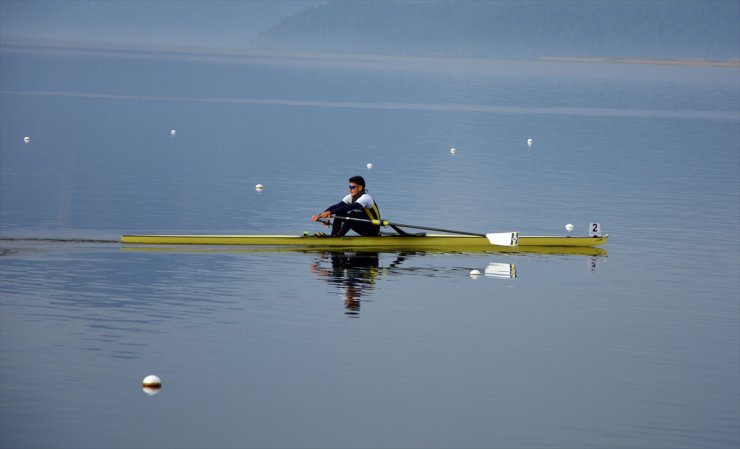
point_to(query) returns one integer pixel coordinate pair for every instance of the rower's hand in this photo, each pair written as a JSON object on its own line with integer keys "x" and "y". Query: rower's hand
{"x": 325, "y": 214}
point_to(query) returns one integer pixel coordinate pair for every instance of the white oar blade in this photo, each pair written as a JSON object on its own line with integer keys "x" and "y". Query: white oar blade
{"x": 503, "y": 238}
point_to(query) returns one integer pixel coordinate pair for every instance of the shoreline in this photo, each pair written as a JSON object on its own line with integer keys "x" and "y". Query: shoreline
{"x": 31, "y": 44}
{"x": 697, "y": 62}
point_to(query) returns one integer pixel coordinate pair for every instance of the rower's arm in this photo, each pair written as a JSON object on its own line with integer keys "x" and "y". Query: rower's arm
{"x": 341, "y": 208}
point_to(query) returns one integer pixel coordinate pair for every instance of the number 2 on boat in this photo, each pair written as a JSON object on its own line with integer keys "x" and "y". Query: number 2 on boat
{"x": 594, "y": 230}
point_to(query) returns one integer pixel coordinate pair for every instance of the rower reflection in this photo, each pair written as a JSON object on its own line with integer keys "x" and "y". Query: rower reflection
{"x": 354, "y": 272}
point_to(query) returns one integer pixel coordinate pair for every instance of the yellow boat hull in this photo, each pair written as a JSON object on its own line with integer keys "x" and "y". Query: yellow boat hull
{"x": 385, "y": 242}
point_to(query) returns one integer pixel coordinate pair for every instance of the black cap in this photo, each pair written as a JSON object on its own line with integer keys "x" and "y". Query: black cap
{"x": 359, "y": 180}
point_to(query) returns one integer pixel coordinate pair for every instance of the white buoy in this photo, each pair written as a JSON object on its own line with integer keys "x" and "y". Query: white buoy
{"x": 569, "y": 227}
{"x": 152, "y": 381}
{"x": 474, "y": 273}
{"x": 27, "y": 139}
{"x": 151, "y": 385}
{"x": 529, "y": 142}
{"x": 259, "y": 187}
{"x": 370, "y": 165}
{"x": 453, "y": 151}
{"x": 173, "y": 131}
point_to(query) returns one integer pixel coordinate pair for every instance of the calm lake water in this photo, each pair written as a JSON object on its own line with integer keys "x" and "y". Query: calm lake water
{"x": 633, "y": 348}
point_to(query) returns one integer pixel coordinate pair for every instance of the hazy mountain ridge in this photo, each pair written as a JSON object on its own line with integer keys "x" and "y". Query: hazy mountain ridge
{"x": 515, "y": 29}
{"x": 191, "y": 23}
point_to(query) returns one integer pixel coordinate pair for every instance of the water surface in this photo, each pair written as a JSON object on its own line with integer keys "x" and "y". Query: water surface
{"x": 636, "y": 347}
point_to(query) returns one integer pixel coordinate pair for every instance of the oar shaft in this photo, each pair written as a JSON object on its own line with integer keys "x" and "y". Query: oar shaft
{"x": 427, "y": 228}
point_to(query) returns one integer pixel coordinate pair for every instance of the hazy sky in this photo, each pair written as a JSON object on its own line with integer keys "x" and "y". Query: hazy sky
{"x": 514, "y": 29}
{"x": 213, "y": 23}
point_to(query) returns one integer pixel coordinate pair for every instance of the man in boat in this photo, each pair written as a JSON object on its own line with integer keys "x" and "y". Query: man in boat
{"x": 358, "y": 205}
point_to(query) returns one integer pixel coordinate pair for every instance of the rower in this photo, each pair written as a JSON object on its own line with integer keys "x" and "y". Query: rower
{"x": 358, "y": 204}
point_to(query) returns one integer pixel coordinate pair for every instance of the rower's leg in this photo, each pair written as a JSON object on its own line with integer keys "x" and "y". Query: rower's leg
{"x": 365, "y": 228}
{"x": 340, "y": 227}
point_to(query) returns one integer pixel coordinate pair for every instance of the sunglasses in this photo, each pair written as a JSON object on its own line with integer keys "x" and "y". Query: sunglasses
{"x": 351, "y": 187}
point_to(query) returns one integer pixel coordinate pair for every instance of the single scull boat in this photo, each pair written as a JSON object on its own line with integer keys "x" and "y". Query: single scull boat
{"x": 387, "y": 242}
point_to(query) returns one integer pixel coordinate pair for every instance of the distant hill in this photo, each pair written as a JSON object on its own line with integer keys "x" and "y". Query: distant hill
{"x": 708, "y": 29}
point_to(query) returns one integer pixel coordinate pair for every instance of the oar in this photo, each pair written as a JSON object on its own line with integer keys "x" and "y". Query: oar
{"x": 496, "y": 238}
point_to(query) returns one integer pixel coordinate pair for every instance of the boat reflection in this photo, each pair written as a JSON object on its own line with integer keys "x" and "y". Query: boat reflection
{"x": 544, "y": 250}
